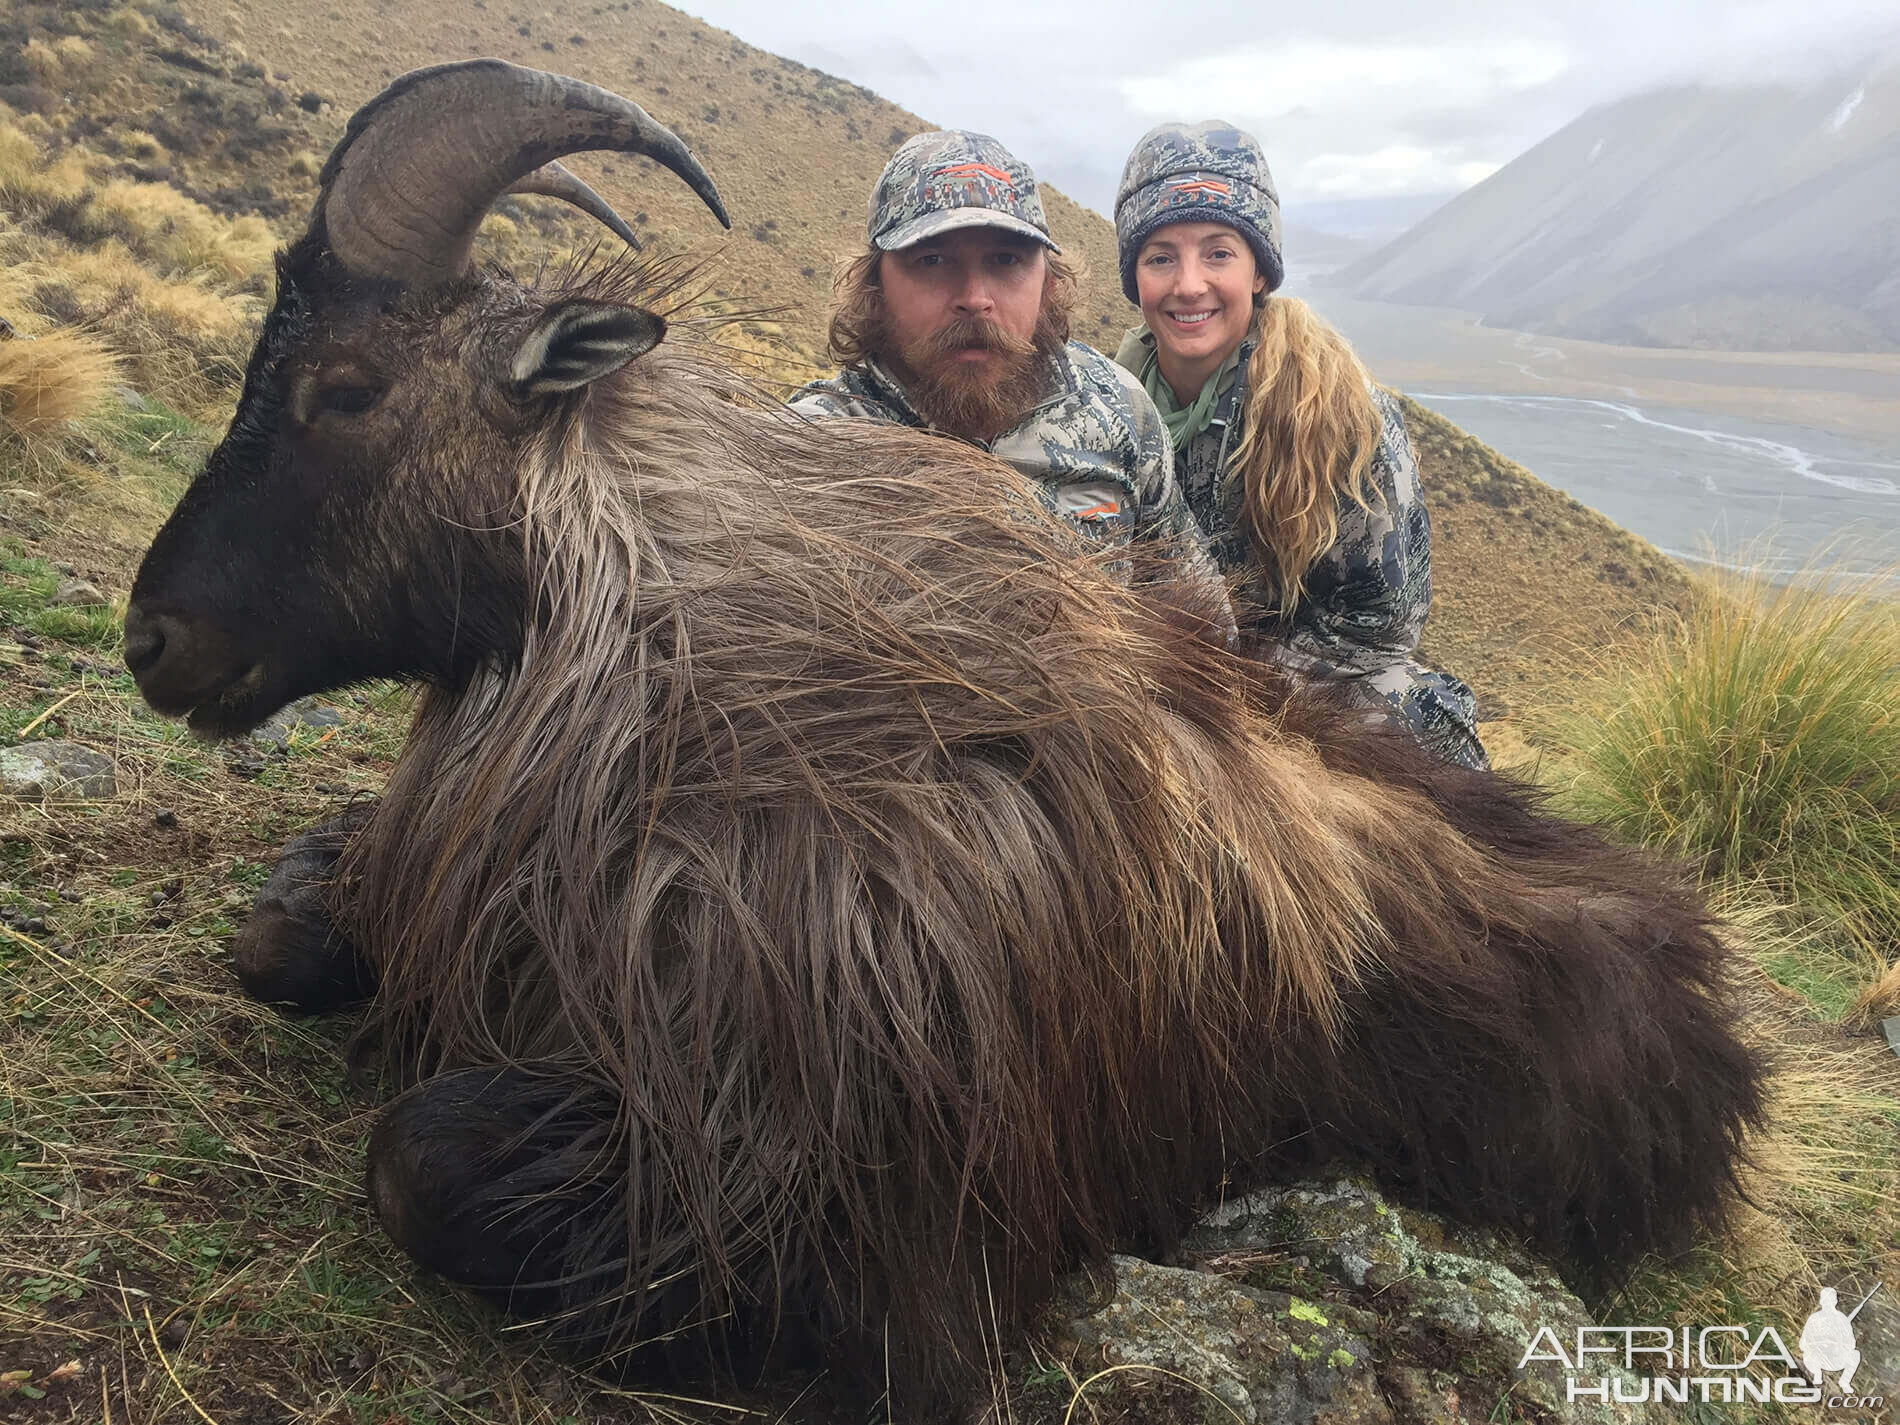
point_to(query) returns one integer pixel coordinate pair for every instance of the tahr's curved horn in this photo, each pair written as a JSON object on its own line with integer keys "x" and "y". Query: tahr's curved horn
{"x": 556, "y": 180}
{"x": 423, "y": 161}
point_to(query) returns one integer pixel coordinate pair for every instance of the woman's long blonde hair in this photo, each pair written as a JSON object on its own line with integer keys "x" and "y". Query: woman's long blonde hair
{"x": 1310, "y": 432}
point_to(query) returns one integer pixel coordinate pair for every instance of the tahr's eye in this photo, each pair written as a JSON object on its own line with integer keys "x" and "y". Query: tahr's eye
{"x": 347, "y": 400}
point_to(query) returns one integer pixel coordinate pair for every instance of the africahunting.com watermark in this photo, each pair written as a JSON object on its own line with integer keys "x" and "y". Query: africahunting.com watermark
{"x": 1635, "y": 1365}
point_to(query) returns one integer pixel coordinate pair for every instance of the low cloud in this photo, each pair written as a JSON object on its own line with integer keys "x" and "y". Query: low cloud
{"x": 1310, "y": 78}
{"x": 1393, "y": 172}
{"x": 1356, "y": 99}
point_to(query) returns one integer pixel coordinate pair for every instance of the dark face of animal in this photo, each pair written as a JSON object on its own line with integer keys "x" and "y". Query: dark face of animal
{"x": 355, "y": 520}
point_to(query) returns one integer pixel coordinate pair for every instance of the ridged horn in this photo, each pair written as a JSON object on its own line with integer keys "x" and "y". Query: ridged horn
{"x": 421, "y": 163}
{"x": 556, "y": 180}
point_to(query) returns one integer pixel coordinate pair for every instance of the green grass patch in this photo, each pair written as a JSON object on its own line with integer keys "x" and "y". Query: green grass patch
{"x": 26, "y": 585}
{"x": 1759, "y": 736}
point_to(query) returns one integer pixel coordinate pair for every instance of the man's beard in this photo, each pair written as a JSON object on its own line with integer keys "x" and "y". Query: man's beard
{"x": 976, "y": 400}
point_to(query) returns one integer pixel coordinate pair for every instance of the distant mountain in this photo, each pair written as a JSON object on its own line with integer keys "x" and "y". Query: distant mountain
{"x": 1758, "y": 218}
{"x": 1372, "y": 220}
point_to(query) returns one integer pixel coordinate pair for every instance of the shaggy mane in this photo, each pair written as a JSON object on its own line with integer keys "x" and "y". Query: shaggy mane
{"x": 936, "y": 910}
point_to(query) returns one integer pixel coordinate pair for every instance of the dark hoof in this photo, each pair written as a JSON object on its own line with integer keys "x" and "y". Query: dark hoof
{"x": 290, "y": 951}
{"x": 491, "y": 1178}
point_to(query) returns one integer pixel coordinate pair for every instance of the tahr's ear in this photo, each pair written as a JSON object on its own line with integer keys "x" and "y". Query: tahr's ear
{"x": 578, "y": 342}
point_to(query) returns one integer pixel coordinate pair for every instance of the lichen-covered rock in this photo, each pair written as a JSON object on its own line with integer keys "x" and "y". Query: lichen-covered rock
{"x": 76, "y": 594}
{"x": 54, "y": 770}
{"x": 1322, "y": 1302}
{"x": 274, "y": 732}
{"x": 1876, "y": 1334}
{"x": 1184, "y": 1338}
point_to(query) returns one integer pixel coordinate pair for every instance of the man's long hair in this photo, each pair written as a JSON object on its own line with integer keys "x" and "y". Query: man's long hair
{"x": 1310, "y": 433}
{"x": 860, "y": 325}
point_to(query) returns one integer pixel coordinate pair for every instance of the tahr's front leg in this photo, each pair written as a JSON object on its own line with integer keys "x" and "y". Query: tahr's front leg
{"x": 290, "y": 952}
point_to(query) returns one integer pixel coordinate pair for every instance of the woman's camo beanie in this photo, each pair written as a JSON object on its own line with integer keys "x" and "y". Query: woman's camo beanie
{"x": 1209, "y": 172}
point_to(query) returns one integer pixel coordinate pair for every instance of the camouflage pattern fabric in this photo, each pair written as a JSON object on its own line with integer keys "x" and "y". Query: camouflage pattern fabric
{"x": 1209, "y": 172}
{"x": 1366, "y": 598}
{"x": 939, "y": 182}
{"x": 1094, "y": 450}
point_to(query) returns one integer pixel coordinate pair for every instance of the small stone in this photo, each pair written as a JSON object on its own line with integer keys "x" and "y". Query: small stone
{"x": 161, "y": 922}
{"x": 159, "y": 898}
{"x": 274, "y": 732}
{"x": 175, "y": 1331}
{"x": 1891, "y": 1029}
{"x": 166, "y": 817}
{"x": 69, "y": 570}
{"x": 34, "y": 926}
{"x": 71, "y": 897}
{"x": 55, "y": 770}
{"x": 76, "y": 593}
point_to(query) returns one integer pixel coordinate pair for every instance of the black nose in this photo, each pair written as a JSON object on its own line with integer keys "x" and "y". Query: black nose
{"x": 180, "y": 661}
{"x": 144, "y": 640}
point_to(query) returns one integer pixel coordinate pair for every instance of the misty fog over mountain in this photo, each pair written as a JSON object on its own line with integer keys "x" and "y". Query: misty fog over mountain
{"x": 1757, "y": 217}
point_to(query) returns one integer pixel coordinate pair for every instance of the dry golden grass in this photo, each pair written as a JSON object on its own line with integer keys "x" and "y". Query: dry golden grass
{"x": 30, "y": 182}
{"x": 58, "y": 61}
{"x": 178, "y": 236}
{"x": 136, "y": 143}
{"x": 48, "y": 382}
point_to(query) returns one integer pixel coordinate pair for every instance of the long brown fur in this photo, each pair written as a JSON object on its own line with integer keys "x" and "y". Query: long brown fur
{"x": 924, "y": 911}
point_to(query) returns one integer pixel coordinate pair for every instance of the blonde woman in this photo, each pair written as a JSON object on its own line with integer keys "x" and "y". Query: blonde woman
{"x": 1296, "y": 466}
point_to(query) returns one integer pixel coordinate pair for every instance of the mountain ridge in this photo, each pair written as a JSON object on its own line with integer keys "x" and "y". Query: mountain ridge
{"x": 249, "y": 98}
{"x": 1761, "y": 217}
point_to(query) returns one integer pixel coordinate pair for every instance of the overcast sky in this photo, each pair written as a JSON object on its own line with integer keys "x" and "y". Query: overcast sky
{"x": 1352, "y": 98}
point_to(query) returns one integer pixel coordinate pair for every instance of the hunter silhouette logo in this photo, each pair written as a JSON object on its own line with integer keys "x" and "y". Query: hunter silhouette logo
{"x": 1827, "y": 1340}
{"x": 1726, "y": 1364}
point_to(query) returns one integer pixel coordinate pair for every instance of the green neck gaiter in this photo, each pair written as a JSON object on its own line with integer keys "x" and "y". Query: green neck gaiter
{"x": 1183, "y": 422}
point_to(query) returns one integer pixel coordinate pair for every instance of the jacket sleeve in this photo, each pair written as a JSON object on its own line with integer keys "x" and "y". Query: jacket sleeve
{"x": 1367, "y": 596}
{"x": 832, "y": 398}
{"x": 1164, "y": 517}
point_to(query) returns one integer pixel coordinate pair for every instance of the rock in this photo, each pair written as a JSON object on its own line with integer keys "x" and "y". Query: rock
{"x": 1876, "y": 1333}
{"x": 274, "y": 732}
{"x": 1199, "y": 1342}
{"x": 165, "y": 817}
{"x": 1891, "y": 1029}
{"x": 55, "y": 771}
{"x": 1288, "y": 1291}
{"x": 76, "y": 593}
{"x": 247, "y": 765}
{"x": 132, "y": 399}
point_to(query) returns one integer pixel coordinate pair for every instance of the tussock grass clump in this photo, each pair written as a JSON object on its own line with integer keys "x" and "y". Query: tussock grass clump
{"x": 1759, "y": 736}
{"x": 49, "y": 382}
{"x": 32, "y": 184}
{"x": 179, "y": 235}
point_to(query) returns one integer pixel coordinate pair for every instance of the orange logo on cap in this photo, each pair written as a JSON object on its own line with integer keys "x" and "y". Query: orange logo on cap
{"x": 1203, "y": 185}
{"x": 972, "y": 170}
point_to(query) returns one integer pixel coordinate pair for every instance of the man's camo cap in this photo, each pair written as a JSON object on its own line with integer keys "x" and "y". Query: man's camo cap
{"x": 1210, "y": 172}
{"x": 938, "y": 182}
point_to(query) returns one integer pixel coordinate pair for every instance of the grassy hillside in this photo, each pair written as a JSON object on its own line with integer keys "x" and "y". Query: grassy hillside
{"x": 182, "y": 1230}
{"x": 235, "y": 106}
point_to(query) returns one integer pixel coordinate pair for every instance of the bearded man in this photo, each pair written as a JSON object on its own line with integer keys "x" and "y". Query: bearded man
{"x": 956, "y": 320}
